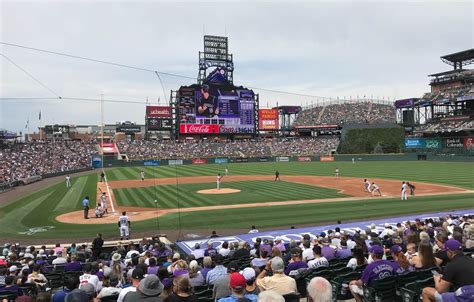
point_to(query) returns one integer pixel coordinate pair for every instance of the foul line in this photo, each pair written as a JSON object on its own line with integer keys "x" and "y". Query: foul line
{"x": 108, "y": 191}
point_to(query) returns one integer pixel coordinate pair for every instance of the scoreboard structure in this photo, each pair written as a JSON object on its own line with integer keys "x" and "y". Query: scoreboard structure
{"x": 214, "y": 106}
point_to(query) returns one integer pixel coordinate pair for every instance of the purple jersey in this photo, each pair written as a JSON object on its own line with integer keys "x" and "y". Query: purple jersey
{"x": 379, "y": 269}
{"x": 294, "y": 266}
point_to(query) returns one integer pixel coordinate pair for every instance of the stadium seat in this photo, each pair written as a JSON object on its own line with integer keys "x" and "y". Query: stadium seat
{"x": 29, "y": 289}
{"x": 341, "y": 279}
{"x": 292, "y": 297}
{"x": 10, "y": 296}
{"x": 207, "y": 293}
{"x": 383, "y": 290}
{"x": 411, "y": 292}
{"x": 55, "y": 280}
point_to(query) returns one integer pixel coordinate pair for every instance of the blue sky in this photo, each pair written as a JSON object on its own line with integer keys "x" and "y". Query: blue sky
{"x": 331, "y": 49}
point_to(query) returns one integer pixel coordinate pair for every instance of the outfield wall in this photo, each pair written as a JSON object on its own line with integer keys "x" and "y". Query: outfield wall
{"x": 335, "y": 158}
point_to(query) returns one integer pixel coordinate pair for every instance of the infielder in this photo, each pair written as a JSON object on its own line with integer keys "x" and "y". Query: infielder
{"x": 277, "y": 175}
{"x": 337, "y": 173}
{"x": 226, "y": 171}
{"x": 218, "y": 181}
{"x": 404, "y": 191}
{"x": 103, "y": 201}
{"x": 68, "y": 181}
{"x": 142, "y": 175}
{"x": 412, "y": 188}
{"x": 124, "y": 225}
{"x": 367, "y": 185}
{"x": 375, "y": 188}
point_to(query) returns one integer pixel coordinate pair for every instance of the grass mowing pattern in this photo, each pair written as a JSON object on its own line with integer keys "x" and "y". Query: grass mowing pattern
{"x": 40, "y": 208}
{"x": 251, "y": 191}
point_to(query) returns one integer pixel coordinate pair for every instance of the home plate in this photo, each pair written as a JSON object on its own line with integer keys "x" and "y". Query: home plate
{"x": 220, "y": 191}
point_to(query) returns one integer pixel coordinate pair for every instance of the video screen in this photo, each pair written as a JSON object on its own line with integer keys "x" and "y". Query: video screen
{"x": 231, "y": 110}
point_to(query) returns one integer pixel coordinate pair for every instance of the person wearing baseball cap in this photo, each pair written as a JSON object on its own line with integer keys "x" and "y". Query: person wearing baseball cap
{"x": 378, "y": 269}
{"x": 136, "y": 275}
{"x": 237, "y": 285}
{"x": 221, "y": 285}
{"x": 249, "y": 275}
{"x": 149, "y": 289}
{"x": 458, "y": 273}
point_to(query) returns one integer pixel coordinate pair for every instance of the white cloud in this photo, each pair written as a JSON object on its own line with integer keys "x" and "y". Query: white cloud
{"x": 340, "y": 48}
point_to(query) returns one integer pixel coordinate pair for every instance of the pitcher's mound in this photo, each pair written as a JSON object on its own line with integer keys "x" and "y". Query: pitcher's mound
{"x": 220, "y": 191}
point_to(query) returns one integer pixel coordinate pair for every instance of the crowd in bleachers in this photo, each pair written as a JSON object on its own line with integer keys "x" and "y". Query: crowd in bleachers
{"x": 446, "y": 126}
{"x": 350, "y": 112}
{"x": 373, "y": 263}
{"x": 22, "y": 160}
{"x": 210, "y": 148}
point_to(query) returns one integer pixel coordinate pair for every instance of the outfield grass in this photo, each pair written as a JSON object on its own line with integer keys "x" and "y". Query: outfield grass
{"x": 250, "y": 192}
{"x": 41, "y": 208}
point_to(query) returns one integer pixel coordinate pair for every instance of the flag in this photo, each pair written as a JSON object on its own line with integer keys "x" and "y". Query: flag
{"x": 27, "y": 123}
{"x": 39, "y": 116}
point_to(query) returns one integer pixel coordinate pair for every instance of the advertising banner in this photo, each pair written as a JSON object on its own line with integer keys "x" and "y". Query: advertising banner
{"x": 412, "y": 143}
{"x": 304, "y": 158}
{"x": 199, "y": 161}
{"x": 221, "y": 160}
{"x": 173, "y": 162}
{"x": 282, "y": 158}
{"x": 151, "y": 163}
{"x": 158, "y": 111}
{"x": 268, "y": 119}
{"x": 469, "y": 142}
{"x": 198, "y": 129}
{"x": 326, "y": 158}
{"x": 263, "y": 159}
{"x": 241, "y": 160}
{"x": 457, "y": 142}
{"x": 237, "y": 129}
{"x": 433, "y": 143}
{"x": 406, "y": 103}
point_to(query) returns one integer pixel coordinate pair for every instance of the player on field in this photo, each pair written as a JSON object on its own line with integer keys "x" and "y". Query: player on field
{"x": 218, "y": 181}
{"x": 124, "y": 226}
{"x": 226, "y": 171}
{"x": 277, "y": 175}
{"x": 375, "y": 188}
{"x": 367, "y": 185}
{"x": 404, "y": 191}
{"x": 142, "y": 175}
{"x": 68, "y": 181}
{"x": 336, "y": 173}
{"x": 103, "y": 201}
{"x": 412, "y": 188}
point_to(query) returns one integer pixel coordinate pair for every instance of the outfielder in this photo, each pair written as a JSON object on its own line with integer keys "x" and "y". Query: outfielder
{"x": 142, "y": 175}
{"x": 367, "y": 185}
{"x": 337, "y": 173}
{"x": 375, "y": 188}
{"x": 103, "y": 201}
{"x": 218, "y": 181}
{"x": 124, "y": 225}
{"x": 68, "y": 181}
{"x": 226, "y": 171}
{"x": 404, "y": 191}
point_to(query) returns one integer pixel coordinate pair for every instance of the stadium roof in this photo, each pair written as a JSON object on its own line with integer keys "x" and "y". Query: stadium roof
{"x": 446, "y": 72}
{"x": 459, "y": 59}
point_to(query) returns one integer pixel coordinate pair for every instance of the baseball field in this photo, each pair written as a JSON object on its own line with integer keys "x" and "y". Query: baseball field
{"x": 171, "y": 201}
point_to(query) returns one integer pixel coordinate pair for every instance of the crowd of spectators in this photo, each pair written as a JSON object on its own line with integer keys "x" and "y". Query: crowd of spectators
{"x": 446, "y": 126}
{"x": 268, "y": 270}
{"x": 189, "y": 149}
{"x": 25, "y": 159}
{"x": 351, "y": 112}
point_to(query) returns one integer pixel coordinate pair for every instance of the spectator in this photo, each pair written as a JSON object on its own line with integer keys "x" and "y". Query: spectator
{"x": 237, "y": 285}
{"x": 459, "y": 272}
{"x": 182, "y": 291}
{"x": 136, "y": 275}
{"x": 402, "y": 262}
{"x": 249, "y": 275}
{"x": 279, "y": 282}
{"x": 319, "y": 290}
{"x": 195, "y": 276}
{"x": 425, "y": 258}
{"x": 378, "y": 269}
{"x": 217, "y": 271}
{"x": 358, "y": 258}
{"x": 207, "y": 263}
{"x": 221, "y": 287}
{"x": 295, "y": 262}
{"x": 198, "y": 252}
{"x": 149, "y": 289}
{"x": 10, "y": 286}
{"x": 318, "y": 259}
{"x": 270, "y": 296}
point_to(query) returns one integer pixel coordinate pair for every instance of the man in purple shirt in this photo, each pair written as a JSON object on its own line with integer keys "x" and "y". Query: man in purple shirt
{"x": 343, "y": 251}
{"x": 328, "y": 252}
{"x": 296, "y": 262}
{"x": 73, "y": 266}
{"x": 379, "y": 269}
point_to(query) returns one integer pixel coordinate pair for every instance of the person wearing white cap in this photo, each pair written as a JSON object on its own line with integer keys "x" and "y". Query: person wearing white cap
{"x": 249, "y": 275}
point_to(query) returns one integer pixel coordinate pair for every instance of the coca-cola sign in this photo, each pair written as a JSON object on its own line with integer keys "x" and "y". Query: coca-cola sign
{"x": 158, "y": 111}
{"x": 198, "y": 129}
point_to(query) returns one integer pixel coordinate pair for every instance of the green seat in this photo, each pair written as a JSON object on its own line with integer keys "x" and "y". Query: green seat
{"x": 337, "y": 282}
{"x": 383, "y": 290}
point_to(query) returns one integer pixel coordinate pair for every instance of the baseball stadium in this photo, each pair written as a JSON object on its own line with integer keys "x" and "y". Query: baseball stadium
{"x": 215, "y": 179}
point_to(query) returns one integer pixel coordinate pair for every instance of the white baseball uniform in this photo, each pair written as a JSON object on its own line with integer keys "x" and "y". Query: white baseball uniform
{"x": 124, "y": 224}
{"x": 404, "y": 191}
{"x": 218, "y": 182}
{"x": 367, "y": 186}
{"x": 103, "y": 201}
{"x": 375, "y": 188}
{"x": 142, "y": 175}
{"x": 226, "y": 171}
{"x": 68, "y": 181}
